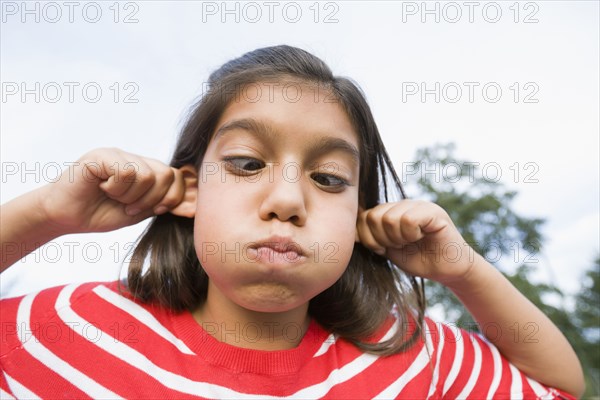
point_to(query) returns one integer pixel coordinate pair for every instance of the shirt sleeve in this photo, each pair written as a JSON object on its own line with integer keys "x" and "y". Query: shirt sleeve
{"x": 468, "y": 366}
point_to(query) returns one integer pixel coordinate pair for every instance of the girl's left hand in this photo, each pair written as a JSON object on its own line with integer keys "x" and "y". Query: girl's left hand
{"x": 417, "y": 236}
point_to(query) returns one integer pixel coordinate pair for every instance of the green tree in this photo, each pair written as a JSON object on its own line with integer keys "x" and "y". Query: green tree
{"x": 482, "y": 211}
{"x": 587, "y": 317}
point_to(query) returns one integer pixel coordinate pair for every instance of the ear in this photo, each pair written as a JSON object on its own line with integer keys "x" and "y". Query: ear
{"x": 187, "y": 207}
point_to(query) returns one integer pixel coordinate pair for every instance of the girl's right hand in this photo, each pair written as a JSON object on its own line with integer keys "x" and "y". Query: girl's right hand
{"x": 107, "y": 189}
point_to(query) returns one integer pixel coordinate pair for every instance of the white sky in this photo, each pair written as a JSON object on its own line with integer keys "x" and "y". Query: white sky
{"x": 385, "y": 46}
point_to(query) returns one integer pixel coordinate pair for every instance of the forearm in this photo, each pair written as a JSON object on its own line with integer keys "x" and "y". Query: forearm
{"x": 522, "y": 333}
{"x": 23, "y": 228}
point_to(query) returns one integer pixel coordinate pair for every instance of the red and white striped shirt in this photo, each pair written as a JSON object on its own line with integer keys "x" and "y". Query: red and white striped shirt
{"x": 81, "y": 341}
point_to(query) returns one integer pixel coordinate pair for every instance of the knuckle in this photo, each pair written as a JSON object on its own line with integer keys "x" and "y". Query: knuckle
{"x": 166, "y": 176}
{"x": 372, "y": 218}
{"x": 170, "y": 200}
{"x": 407, "y": 219}
{"x": 388, "y": 221}
{"x": 145, "y": 178}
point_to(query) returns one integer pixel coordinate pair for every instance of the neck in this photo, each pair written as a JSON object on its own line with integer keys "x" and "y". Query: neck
{"x": 230, "y": 323}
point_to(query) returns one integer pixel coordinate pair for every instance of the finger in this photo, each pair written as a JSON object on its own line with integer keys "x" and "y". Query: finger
{"x": 117, "y": 185}
{"x": 122, "y": 172}
{"x": 420, "y": 220}
{"x": 186, "y": 206}
{"x": 174, "y": 195}
{"x": 410, "y": 228}
{"x": 165, "y": 188}
{"x": 374, "y": 220}
{"x": 365, "y": 235}
{"x": 140, "y": 176}
{"x": 391, "y": 224}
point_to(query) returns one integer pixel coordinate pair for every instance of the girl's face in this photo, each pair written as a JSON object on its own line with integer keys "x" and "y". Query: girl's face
{"x": 277, "y": 198}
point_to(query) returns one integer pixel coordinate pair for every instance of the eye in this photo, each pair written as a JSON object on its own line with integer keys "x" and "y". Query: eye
{"x": 243, "y": 164}
{"x": 330, "y": 181}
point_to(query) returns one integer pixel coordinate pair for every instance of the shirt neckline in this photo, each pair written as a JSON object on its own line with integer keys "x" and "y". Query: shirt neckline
{"x": 243, "y": 360}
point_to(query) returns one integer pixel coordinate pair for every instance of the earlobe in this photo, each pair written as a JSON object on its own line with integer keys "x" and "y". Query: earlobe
{"x": 187, "y": 207}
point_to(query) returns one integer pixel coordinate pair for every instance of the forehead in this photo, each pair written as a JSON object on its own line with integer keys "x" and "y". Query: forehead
{"x": 291, "y": 109}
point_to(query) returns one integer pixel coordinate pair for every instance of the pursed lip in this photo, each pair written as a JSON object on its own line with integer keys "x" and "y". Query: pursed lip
{"x": 280, "y": 244}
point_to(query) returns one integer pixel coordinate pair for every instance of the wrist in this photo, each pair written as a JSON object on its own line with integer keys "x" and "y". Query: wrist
{"x": 24, "y": 227}
{"x": 476, "y": 279}
{"x": 40, "y": 218}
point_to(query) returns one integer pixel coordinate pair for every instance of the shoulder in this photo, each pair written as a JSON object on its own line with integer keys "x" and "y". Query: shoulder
{"x": 51, "y": 315}
{"x": 466, "y": 364}
{"x": 48, "y": 302}
{"x": 54, "y": 340}
{"x": 444, "y": 361}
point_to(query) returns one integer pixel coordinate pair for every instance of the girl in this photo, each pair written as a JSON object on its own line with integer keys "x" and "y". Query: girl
{"x": 274, "y": 265}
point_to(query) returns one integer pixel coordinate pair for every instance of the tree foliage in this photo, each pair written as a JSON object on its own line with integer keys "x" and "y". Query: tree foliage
{"x": 481, "y": 208}
{"x": 587, "y": 319}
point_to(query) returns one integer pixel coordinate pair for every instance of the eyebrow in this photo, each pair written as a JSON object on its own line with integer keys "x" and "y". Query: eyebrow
{"x": 261, "y": 130}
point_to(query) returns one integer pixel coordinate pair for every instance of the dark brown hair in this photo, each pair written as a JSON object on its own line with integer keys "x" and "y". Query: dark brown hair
{"x": 370, "y": 289}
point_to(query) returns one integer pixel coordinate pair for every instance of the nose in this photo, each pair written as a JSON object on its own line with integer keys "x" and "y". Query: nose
{"x": 284, "y": 199}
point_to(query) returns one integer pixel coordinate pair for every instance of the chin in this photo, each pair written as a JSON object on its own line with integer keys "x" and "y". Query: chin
{"x": 272, "y": 300}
